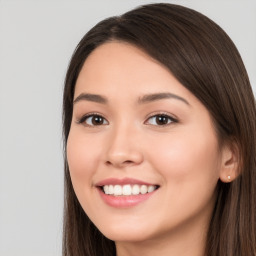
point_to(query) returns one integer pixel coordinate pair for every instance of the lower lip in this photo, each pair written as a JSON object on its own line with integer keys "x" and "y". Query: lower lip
{"x": 124, "y": 201}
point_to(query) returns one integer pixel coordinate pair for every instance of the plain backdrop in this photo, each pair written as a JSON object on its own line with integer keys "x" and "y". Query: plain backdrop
{"x": 37, "y": 39}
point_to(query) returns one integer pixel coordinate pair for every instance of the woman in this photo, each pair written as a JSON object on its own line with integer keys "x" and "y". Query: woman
{"x": 159, "y": 126}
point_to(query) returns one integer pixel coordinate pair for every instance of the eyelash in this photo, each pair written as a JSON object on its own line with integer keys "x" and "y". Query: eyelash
{"x": 170, "y": 118}
{"x": 87, "y": 116}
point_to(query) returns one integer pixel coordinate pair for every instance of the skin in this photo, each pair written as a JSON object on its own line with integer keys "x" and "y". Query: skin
{"x": 183, "y": 157}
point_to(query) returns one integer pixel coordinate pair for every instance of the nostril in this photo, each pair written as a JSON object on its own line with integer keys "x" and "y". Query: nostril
{"x": 108, "y": 163}
{"x": 122, "y": 159}
{"x": 128, "y": 162}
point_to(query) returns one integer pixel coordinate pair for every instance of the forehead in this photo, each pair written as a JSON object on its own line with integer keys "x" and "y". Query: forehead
{"x": 119, "y": 50}
{"x": 121, "y": 66}
{"x": 116, "y": 60}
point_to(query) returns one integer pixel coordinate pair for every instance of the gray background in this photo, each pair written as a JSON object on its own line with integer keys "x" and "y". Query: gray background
{"x": 36, "y": 41}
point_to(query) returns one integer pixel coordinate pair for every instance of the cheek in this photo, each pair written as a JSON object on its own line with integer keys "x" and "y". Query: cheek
{"x": 183, "y": 158}
{"x": 189, "y": 168}
{"x": 82, "y": 157}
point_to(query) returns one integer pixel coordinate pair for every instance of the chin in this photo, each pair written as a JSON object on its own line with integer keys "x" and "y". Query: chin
{"x": 126, "y": 234}
{"x": 126, "y": 237}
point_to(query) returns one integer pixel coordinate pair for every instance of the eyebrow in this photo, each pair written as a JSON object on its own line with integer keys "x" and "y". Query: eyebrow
{"x": 142, "y": 100}
{"x": 161, "y": 96}
{"x": 90, "y": 97}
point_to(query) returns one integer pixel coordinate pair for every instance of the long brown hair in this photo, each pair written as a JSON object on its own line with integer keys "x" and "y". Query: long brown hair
{"x": 205, "y": 60}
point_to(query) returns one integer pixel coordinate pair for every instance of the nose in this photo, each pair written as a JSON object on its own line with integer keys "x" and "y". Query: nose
{"x": 124, "y": 148}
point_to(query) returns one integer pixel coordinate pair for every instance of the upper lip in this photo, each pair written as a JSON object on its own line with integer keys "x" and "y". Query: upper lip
{"x": 124, "y": 181}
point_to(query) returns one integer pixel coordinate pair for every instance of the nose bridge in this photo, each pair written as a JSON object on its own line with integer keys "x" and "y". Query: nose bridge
{"x": 123, "y": 146}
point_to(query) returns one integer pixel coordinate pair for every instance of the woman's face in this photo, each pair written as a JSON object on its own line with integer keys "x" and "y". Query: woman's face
{"x": 141, "y": 136}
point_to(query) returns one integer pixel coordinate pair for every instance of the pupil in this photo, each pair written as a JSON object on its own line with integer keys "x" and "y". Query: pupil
{"x": 162, "y": 120}
{"x": 97, "y": 120}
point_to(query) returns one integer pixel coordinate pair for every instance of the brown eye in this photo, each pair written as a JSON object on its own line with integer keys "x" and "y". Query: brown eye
{"x": 93, "y": 120}
{"x": 161, "y": 120}
{"x": 97, "y": 120}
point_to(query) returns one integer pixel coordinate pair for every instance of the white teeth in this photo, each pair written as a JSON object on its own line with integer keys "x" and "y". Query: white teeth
{"x": 151, "y": 188}
{"x": 110, "y": 189}
{"x": 143, "y": 189}
{"x": 135, "y": 189}
{"x": 118, "y": 190}
{"x": 127, "y": 190}
{"x": 106, "y": 190}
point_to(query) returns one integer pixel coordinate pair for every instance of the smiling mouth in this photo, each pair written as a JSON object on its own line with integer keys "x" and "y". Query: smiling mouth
{"x": 128, "y": 189}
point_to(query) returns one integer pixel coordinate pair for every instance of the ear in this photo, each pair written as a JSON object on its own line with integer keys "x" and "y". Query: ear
{"x": 229, "y": 163}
